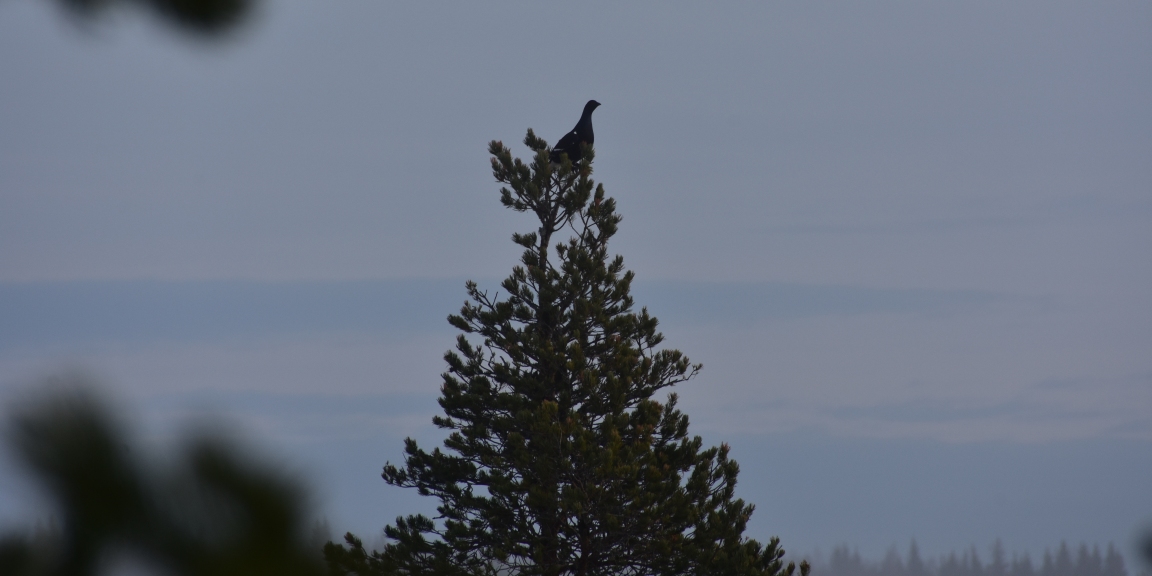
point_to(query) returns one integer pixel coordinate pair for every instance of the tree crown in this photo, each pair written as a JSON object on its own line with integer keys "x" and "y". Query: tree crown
{"x": 558, "y": 459}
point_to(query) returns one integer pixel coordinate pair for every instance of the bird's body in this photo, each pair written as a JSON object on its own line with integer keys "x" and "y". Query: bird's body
{"x": 582, "y": 134}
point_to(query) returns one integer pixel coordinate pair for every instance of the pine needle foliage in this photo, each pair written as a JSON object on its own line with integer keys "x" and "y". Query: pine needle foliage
{"x": 559, "y": 460}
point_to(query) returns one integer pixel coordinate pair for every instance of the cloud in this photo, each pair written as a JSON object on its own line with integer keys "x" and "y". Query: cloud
{"x": 749, "y": 303}
{"x": 1085, "y": 408}
{"x": 55, "y": 313}
{"x": 955, "y": 365}
{"x": 61, "y": 313}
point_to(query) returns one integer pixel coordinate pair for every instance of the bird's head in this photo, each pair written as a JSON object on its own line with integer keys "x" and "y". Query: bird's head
{"x": 590, "y": 106}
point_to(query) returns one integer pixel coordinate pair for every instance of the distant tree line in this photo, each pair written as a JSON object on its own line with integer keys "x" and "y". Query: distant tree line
{"x": 1084, "y": 561}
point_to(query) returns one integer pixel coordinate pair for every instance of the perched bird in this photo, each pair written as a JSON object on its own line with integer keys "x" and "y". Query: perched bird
{"x": 582, "y": 134}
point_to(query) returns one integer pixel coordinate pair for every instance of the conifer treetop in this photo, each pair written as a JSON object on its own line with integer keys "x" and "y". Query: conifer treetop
{"x": 558, "y": 459}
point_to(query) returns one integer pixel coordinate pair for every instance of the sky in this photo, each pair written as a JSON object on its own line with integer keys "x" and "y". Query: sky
{"x": 909, "y": 241}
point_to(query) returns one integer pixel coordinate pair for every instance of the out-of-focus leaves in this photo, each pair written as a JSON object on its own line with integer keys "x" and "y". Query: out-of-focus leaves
{"x": 16, "y": 556}
{"x": 75, "y": 449}
{"x": 211, "y": 511}
{"x": 1146, "y": 547}
{"x": 198, "y": 16}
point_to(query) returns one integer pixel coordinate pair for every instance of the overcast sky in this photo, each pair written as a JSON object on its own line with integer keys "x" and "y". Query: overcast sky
{"x": 910, "y": 241}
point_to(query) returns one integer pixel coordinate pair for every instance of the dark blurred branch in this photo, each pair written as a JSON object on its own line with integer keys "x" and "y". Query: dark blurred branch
{"x": 1146, "y": 549}
{"x": 211, "y": 511}
{"x": 201, "y": 17}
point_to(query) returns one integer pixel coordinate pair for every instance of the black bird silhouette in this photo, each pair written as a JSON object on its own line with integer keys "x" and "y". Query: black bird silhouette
{"x": 582, "y": 134}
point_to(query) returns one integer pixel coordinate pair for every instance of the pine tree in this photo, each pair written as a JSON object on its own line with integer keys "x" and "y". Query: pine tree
{"x": 1088, "y": 563}
{"x": 559, "y": 458}
{"x": 1048, "y": 566}
{"x": 916, "y": 565}
{"x": 972, "y": 564}
{"x": 845, "y": 562}
{"x": 1063, "y": 562}
{"x": 951, "y": 566}
{"x": 892, "y": 565}
{"x": 997, "y": 567}
{"x": 1022, "y": 566}
{"x": 1114, "y": 562}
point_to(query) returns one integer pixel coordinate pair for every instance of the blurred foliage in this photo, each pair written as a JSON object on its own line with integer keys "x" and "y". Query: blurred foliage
{"x": 207, "y": 510}
{"x": 1146, "y": 549}
{"x": 203, "y": 17}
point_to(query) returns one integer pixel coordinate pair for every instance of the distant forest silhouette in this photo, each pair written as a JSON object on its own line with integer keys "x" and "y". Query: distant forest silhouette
{"x": 1063, "y": 562}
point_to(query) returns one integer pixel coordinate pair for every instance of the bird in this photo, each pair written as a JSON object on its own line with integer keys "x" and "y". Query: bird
{"x": 582, "y": 134}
